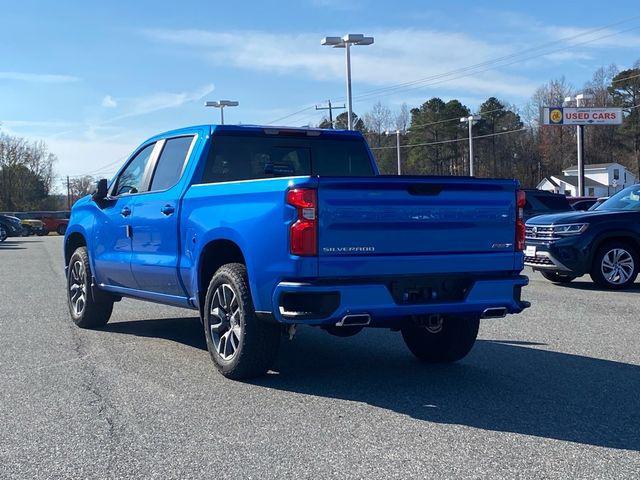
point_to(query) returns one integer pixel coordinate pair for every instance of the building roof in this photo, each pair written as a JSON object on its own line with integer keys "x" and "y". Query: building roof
{"x": 592, "y": 166}
{"x": 550, "y": 180}
{"x": 573, "y": 181}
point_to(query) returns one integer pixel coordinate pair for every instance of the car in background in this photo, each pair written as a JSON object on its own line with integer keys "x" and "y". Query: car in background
{"x": 3, "y": 233}
{"x": 56, "y": 221}
{"x": 31, "y": 226}
{"x": 541, "y": 202}
{"x": 604, "y": 243}
{"x": 12, "y": 225}
{"x": 582, "y": 204}
{"x": 599, "y": 202}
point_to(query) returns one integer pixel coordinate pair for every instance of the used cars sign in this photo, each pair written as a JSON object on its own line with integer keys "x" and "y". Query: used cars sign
{"x": 581, "y": 116}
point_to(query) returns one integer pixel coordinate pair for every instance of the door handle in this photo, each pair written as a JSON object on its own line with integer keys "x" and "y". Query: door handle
{"x": 125, "y": 212}
{"x": 168, "y": 210}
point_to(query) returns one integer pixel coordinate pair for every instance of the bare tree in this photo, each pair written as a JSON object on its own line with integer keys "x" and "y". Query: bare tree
{"x": 81, "y": 186}
{"x": 26, "y": 173}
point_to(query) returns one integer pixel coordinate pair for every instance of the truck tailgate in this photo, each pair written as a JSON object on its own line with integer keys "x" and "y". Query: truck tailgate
{"x": 408, "y": 217}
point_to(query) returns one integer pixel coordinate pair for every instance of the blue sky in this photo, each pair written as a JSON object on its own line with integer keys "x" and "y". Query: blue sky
{"x": 94, "y": 79}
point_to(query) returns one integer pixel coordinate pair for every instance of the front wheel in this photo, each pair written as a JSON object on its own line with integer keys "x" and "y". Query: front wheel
{"x": 3, "y": 234}
{"x": 42, "y": 233}
{"x": 85, "y": 311}
{"x": 443, "y": 340}
{"x": 240, "y": 344}
{"x": 557, "y": 277}
{"x": 615, "y": 266}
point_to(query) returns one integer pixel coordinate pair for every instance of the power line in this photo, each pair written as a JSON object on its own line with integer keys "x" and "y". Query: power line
{"x": 413, "y": 84}
{"x": 507, "y": 57}
{"x": 452, "y": 140}
{"x": 475, "y": 72}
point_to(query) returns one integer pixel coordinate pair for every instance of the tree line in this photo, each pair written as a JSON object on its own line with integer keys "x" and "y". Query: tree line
{"x": 512, "y": 143}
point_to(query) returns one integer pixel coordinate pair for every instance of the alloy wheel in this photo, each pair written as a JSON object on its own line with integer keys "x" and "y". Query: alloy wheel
{"x": 78, "y": 288}
{"x": 225, "y": 324}
{"x": 617, "y": 266}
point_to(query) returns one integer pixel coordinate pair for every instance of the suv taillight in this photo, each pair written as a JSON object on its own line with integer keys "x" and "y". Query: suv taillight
{"x": 521, "y": 200}
{"x": 303, "y": 234}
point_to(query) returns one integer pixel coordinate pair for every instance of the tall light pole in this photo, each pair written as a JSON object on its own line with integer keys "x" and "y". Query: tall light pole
{"x": 221, "y": 104}
{"x": 346, "y": 42}
{"x": 398, "y": 133}
{"x": 580, "y": 98}
{"x": 471, "y": 119}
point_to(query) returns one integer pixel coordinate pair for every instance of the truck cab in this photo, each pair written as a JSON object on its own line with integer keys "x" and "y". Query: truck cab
{"x": 261, "y": 229}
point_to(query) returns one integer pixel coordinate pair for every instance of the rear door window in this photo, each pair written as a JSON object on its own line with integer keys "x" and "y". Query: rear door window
{"x": 171, "y": 162}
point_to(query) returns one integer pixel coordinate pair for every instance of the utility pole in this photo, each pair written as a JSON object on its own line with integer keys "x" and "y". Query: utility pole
{"x": 471, "y": 119}
{"x": 68, "y": 194}
{"x": 330, "y": 108}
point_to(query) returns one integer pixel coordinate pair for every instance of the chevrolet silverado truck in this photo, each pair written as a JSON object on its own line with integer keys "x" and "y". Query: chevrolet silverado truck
{"x": 261, "y": 229}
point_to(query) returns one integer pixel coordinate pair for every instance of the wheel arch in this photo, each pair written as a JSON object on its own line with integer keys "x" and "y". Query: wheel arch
{"x": 614, "y": 236}
{"x": 72, "y": 242}
{"x": 213, "y": 255}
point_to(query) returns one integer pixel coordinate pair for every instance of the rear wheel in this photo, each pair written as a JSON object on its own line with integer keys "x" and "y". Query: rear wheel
{"x": 557, "y": 277}
{"x": 615, "y": 266}
{"x": 3, "y": 234}
{"x": 445, "y": 340}
{"x": 43, "y": 232}
{"x": 241, "y": 345}
{"x": 61, "y": 229}
{"x": 85, "y": 311}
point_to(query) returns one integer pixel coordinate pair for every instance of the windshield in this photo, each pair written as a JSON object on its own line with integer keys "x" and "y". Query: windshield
{"x": 627, "y": 199}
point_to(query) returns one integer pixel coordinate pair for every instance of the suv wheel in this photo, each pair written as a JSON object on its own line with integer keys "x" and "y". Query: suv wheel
{"x": 557, "y": 277}
{"x": 3, "y": 233}
{"x": 84, "y": 310}
{"x": 241, "y": 345}
{"x": 615, "y": 266}
{"x": 446, "y": 341}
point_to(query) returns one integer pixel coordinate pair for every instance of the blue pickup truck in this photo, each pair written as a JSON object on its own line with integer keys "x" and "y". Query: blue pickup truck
{"x": 262, "y": 229}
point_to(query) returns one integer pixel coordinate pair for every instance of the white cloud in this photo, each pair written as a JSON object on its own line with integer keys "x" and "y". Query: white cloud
{"x": 397, "y": 56}
{"x": 137, "y": 106}
{"x": 38, "y": 77}
{"x": 109, "y": 102}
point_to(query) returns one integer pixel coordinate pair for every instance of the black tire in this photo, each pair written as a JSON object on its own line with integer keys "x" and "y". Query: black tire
{"x": 61, "y": 229}
{"x": 27, "y": 231}
{"x": 452, "y": 342}
{"x": 3, "y": 234}
{"x": 241, "y": 345}
{"x": 43, "y": 233}
{"x": 92, "y": 314}
{"x": 557, "y": 277}
{"x": 628, "y": 263}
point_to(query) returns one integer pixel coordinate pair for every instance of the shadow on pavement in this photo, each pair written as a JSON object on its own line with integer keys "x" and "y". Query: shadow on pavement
{"x": 187, "y": 331}
{"x": 579, "y": 284}
{"x": 503, "y": 385}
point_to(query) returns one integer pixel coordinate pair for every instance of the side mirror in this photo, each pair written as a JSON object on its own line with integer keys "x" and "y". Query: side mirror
{"x": 102, "y": 190}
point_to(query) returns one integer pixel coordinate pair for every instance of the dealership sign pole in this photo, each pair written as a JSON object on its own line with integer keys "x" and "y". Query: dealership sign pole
{"x": 581, "y": 116}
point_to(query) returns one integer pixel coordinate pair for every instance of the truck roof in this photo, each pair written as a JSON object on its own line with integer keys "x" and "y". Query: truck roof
{"x": 273, "y": 129}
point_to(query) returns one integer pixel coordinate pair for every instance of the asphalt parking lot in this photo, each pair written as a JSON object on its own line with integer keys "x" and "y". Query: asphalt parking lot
{"x": 551, "y": 393}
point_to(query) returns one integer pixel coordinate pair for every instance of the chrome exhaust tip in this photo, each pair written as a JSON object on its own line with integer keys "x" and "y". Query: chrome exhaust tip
{"x": 355, "y": 320}
{"x": 494, "y": 312}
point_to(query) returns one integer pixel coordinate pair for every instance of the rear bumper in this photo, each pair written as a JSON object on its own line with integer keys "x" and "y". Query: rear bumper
{"x": 376, "y": 300}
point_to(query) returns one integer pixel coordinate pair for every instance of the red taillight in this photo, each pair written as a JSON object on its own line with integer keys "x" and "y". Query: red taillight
{"x": 303, "y": 234}
{"x": 521, "y": 200}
